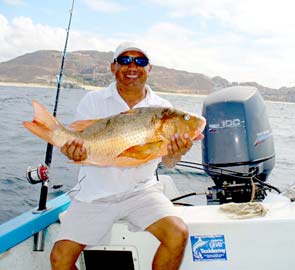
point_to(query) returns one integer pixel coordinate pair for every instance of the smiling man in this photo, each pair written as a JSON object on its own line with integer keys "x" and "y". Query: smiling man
{"x": 131, "y": 68}
{"x": 104, "y": 195}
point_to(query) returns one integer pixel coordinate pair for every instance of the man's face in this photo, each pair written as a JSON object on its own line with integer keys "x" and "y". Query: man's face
{"x": 131, "y": 75}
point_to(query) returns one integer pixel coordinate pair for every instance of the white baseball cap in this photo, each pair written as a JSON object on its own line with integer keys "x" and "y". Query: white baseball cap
{"x": 129, "y": 46}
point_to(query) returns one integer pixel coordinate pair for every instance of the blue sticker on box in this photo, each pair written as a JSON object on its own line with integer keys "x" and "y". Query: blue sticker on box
{"x": 208, "y": 247}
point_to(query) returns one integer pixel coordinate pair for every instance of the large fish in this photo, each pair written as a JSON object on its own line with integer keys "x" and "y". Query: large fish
{"x": 127, "y": 139}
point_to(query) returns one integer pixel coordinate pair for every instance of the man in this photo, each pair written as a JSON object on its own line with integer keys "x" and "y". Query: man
{"x": 105, "y": 194}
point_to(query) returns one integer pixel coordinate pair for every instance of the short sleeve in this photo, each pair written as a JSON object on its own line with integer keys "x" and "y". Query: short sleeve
{"x": 85, "y": 109}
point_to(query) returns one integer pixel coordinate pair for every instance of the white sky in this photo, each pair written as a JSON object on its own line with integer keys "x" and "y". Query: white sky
{"x": 250, "y": 40}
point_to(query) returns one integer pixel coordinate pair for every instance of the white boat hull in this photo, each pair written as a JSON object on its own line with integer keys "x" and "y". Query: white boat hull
{"x": 217, "y": 242}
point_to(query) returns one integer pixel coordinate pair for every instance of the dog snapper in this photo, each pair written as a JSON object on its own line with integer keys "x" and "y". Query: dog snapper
{"x": 127, "y": 139}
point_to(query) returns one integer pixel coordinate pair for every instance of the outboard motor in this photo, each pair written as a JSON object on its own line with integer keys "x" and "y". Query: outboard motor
{"x": 238, "y": 149}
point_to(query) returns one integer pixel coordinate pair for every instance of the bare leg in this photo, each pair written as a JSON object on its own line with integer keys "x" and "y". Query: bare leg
{"x": 173, "y": 234}
{"x": 65, "y": 254}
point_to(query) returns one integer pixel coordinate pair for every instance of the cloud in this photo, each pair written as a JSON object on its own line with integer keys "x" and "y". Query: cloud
{"x": 177, "y": 47}
{"x": 263, "y": 17}
{"x": 268, "y": 60}
{"x": 232, "y": 55}
{"x": 105, "y": 6}
{"x": 23, "y": 36}
{"x": 14, "y": 2}
{"x": 247, "y": 40}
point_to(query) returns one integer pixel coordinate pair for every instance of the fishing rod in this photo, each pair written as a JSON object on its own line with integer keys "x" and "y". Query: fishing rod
{"x": 40, "y": 174}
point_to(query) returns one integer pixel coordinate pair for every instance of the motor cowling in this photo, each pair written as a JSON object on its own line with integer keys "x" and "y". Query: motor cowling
{"x": 238, "y": 143}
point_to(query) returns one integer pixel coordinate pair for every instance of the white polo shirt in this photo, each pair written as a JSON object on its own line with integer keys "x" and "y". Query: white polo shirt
{"x": 98, "y": 182}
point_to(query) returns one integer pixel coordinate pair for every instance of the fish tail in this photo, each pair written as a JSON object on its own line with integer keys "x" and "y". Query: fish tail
{"x": 44, "y": 124}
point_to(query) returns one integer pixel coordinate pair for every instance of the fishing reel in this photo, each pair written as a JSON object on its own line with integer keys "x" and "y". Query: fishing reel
{"x": 37, "y": 174}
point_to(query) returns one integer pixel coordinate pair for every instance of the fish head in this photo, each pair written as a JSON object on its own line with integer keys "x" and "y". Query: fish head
{"x": 177, "y": 121}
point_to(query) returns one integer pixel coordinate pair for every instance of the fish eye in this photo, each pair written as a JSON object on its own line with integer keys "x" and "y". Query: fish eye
{"x": 186, "y": 117}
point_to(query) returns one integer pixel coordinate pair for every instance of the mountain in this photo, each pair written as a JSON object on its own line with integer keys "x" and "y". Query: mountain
{"x": 91, "y": 68}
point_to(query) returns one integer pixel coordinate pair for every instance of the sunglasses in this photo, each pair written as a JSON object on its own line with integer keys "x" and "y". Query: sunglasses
{"x": 127, "y": 60}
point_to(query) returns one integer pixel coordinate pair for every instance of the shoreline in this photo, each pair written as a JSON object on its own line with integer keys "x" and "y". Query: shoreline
{"x": 86, "y": 88}
{"x": 36, "y": 85}
{"x": 33, "y": 85}
{"x": 91, "y": 87}
{"x": 179, "y": 94}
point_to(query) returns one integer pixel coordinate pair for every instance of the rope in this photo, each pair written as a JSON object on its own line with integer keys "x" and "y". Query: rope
{"x": 244, "y": 210}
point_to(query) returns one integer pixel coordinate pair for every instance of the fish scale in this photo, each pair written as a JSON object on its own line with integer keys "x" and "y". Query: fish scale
{"x": 131, "y": 138}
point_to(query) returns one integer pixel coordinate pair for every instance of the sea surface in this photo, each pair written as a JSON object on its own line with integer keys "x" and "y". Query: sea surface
{"x": 20, "y": 149}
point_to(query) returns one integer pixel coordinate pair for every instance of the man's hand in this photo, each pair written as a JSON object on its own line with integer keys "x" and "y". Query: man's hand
{"x": 177, "y": 148}
{"x": 74, "y": 150}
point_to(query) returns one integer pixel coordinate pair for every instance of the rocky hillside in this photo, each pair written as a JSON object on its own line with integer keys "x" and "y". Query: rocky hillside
{"x": 92, "y": 68}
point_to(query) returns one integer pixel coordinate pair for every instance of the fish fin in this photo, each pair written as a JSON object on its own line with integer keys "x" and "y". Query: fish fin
{"x": 145, "y": 151}
{"x": 43, "y": 124}
{"x": 131, "y": 111}
{"x": 81, "y": 125}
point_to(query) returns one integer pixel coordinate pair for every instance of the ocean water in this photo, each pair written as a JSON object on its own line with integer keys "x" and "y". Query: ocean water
{"x": 20, "y": 149}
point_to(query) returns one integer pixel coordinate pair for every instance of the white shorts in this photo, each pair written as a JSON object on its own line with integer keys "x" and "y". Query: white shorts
{"x": 91, "y": 223}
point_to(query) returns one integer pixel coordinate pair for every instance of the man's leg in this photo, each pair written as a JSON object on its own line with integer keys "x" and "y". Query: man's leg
{"x": 172, "y": 233}
{"x": 64, "y": 255}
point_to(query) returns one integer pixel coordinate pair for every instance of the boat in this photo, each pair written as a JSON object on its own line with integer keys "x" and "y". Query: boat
{"x": 245, "y": 224}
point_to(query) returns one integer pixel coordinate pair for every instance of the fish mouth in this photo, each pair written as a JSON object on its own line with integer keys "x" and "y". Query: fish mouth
{"x": 201, "y": 127}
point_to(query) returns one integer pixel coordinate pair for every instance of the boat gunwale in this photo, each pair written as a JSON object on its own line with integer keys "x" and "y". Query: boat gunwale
{"x": 31, "y": 222}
